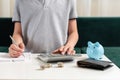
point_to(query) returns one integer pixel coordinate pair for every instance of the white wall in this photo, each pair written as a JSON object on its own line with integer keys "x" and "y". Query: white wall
{"x": 98, "y": 7}
{"x": 6, "y": 8}
{"x": 110, "y": 7}
{"x": 84, "y": 8}
{"x": 5, "y": 4}
{"x": 11, "y": 7}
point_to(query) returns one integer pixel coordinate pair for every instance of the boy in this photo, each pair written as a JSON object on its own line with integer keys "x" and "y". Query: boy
{"x": 44, "y": 26}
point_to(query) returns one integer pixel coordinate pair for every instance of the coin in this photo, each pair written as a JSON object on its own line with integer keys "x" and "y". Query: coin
{"x": 60, "y": 64}
{"x": 48, "y": 65}
{"x": 42, "y": 67}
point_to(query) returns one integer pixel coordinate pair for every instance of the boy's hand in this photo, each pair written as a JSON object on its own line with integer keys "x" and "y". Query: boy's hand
{"x": 16, "y": 51}
{"x": 65, "y": 49}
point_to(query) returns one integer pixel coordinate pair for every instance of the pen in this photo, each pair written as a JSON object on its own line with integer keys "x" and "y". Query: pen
{"x": 14, "y": 42}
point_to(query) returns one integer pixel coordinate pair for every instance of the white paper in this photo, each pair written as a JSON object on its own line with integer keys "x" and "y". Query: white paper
{"x": 4, "y": 57}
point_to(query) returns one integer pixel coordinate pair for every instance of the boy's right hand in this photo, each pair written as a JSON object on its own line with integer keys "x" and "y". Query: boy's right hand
{"x": 16, "y": 51}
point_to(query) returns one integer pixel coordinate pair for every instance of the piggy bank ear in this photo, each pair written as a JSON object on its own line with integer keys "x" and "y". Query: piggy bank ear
{"x": 97, "y": 44}
{"x": 90, "y": 43}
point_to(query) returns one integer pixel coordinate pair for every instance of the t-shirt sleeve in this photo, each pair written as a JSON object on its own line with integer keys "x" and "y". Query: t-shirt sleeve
{"x": 73, "y": 10}
{"x": 16, "y": 13}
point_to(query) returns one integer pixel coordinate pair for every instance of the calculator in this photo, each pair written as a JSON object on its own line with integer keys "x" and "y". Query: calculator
{"x": 48, "y": 58}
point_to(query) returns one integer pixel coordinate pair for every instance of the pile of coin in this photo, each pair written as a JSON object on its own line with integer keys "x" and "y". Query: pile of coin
{"x": 42, "y": 67}
{"x": 60, "y": 64}
{"x": 48, "y": 65}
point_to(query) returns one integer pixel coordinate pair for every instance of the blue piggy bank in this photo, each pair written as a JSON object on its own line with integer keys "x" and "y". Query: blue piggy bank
{"x": 95, "y": 50}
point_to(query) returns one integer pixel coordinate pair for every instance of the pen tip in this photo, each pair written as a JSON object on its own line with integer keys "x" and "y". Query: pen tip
{"x": 10, "y": 36}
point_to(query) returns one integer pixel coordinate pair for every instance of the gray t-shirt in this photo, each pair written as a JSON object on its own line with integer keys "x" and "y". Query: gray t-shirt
{"x": 44, "y": 23}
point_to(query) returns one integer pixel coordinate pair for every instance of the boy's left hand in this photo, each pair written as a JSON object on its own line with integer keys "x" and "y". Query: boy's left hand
{"x": 65, "y": 50}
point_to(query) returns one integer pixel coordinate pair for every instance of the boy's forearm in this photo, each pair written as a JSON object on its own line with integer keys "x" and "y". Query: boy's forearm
{"x": 72, "y": 33}
{"x": 17, "y": 35}
{"x": 17, "y": 38}
{"x": 72, "y": 39}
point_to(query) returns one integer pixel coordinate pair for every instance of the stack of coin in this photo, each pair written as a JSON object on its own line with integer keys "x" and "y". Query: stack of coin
{"x": 48, "y": 65}
{"x": 60, "y": 64}
{"x": 42, "y": 67}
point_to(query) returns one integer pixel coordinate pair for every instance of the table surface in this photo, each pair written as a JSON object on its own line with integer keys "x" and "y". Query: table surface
{"x": 31, "y": 71}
